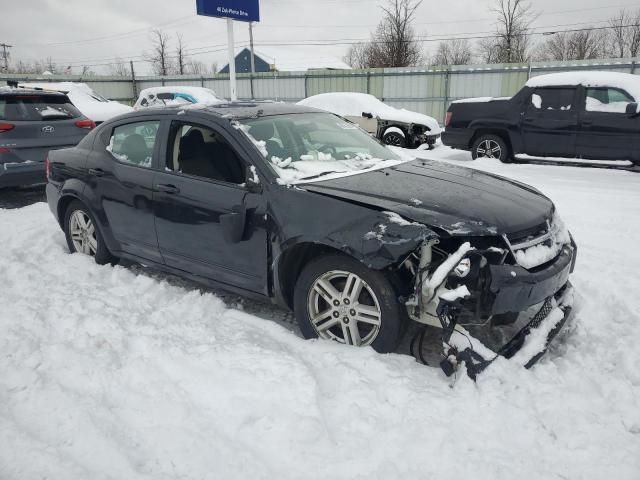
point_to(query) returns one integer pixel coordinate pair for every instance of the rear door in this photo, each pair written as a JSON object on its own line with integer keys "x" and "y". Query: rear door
{"x": 120, "y": 183}
{"x": 606, "y": 131}
{"x": 36, "y": 123}
{"x": 200, "y": 186}
{"x": 550, "y": 122}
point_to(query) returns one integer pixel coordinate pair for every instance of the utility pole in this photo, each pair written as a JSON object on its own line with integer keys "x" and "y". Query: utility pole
{"x": 5, "y": 55}
{"x": 253, "y": 61}
{"x": 133, "y": 81}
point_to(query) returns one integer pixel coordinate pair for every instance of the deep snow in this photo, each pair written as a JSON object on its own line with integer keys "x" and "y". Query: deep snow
{"x": 113, "y": 372}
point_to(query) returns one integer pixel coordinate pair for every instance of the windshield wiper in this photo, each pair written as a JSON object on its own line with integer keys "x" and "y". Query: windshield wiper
{"x": 318, "y": 175}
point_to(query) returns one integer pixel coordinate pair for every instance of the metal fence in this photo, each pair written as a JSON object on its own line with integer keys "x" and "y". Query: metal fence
{"x": 428, "y": 90}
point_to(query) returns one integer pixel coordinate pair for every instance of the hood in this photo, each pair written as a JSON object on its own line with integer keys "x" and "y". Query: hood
{"x": 406, "y": 116}
{"x": 458, "y": 200}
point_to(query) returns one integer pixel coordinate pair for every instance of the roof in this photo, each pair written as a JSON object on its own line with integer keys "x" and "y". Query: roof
{"x": 231, "y": 110}
{"x": 296, "y": 58}
{"x": 29, "y": 91}
{"x": 624, "y": 81}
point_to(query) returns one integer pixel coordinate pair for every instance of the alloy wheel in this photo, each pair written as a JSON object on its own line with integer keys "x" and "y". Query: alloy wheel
{"x": 489, "y": 149}
{"x": 393, "y": 139}
{"x": 83, "y": 233}
{"x": 344, "y": 308}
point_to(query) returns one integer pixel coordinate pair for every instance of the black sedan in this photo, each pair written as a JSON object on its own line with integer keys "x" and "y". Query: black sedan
{"x": 303, "y": 208}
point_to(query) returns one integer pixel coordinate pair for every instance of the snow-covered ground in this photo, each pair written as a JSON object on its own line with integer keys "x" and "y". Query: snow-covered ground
{"x": 113, "y": 372}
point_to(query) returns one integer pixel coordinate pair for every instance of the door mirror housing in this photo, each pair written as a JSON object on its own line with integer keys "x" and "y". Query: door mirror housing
{"x": 632, "y": 108}
{"x": 367, "y": 115}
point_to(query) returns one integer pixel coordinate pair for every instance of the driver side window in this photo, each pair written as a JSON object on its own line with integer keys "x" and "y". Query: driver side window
{"x": 134, "y": 143}
{"x": 200, "y": 151}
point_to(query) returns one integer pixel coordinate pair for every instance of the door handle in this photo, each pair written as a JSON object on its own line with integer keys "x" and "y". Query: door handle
{"x": 587, "y": 122}
{"x": 167, "y": 188}
{"x": 98, "y": 172}
{"x": 528, "y": 119}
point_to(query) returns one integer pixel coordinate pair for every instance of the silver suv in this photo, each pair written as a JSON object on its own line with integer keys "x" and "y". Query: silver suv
{"x": 32, "y": 122}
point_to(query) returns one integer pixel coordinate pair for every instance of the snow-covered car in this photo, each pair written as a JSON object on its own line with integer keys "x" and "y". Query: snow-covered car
{"x": 173, "y": 96}
{"x": 91, "y": 104}
{"x": 577, "y": 115}
{"x": 297, "y": 206}
{"x": 394, "y": 126}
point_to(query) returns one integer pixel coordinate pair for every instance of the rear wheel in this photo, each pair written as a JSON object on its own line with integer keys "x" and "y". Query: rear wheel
{"x": 491, "y": 146}
{"x": 338, "y": 298}
{"x": 83, "y": 236}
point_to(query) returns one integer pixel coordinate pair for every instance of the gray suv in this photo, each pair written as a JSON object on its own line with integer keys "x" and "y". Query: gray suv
{"x": 32, "y": 122}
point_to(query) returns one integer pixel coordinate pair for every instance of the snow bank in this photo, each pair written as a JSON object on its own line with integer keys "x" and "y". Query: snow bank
{"x": 625, "y": 81}
{"x": 108, "y": 372}
{"x": 351, "y": 104}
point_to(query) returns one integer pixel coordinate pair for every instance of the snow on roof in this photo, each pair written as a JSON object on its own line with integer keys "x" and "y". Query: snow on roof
{"x": 201, "y": 94}
{"x": 296, "y": 59}
{"x": 625, "y": 81}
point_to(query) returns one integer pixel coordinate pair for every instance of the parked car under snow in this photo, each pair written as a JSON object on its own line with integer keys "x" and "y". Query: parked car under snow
{"x": 298, "y": 206}
{"x": 174, "y": 96}
{"x": 396, "y": 127}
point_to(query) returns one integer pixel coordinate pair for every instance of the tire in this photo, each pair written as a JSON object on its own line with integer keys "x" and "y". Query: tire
{"x": 86, "y": 238}
{"x": 372, "y": 318}
{"x": 491, "y": 146}
{"x": 394, "y": 139}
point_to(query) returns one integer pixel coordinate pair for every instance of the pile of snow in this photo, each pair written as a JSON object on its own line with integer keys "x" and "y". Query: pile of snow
{"x": 200, "y": 95}
{"x": 352, "y": 104}
{"x": 624, "y": 81}
{"x": 91, "y": 104}
{"x": 109, "y": 372}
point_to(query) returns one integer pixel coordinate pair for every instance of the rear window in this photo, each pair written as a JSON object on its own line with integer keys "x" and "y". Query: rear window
{"x": 37, "y": 108}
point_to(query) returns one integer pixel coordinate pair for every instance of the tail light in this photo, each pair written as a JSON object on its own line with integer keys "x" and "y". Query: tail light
{"x": 47, "y": 168}
{"x": 5, "y": 127}
{"x": 88, "y": 124}
{"x": 447, "y": 119}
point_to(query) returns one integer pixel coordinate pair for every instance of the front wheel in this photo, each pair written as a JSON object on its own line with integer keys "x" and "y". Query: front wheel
{"x": 491, "y": 146}
{"x": 338, "y": 298}
{"x": 83, "y": 235}
{"x": 395, "y": 138}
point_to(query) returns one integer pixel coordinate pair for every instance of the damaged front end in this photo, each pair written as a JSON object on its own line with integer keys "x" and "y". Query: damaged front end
{"x": 508, "y": 299}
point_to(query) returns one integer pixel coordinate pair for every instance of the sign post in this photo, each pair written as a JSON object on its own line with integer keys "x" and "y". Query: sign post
{"x": 242, "y": 10}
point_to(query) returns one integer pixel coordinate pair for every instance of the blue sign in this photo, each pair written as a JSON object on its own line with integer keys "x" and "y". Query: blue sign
{"x": 243, "y": 10}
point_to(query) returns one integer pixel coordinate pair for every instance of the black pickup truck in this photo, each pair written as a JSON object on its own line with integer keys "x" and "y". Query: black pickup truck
{"x": 582, "y": 115}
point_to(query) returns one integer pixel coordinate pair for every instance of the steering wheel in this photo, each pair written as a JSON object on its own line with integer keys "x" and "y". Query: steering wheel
{"x": 330, "y": 150}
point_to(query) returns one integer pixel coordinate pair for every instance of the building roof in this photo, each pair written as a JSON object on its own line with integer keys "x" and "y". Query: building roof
{"x": 296, "y": 59}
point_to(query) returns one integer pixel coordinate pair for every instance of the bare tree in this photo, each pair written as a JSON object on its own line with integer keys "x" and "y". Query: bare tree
{"x": 357, "y": 56}
{"x": 453, "y": 52}
{"x": 180, "y": 55}
{"x": 159, "y": 56}
{"x": 195, "y": 67}
{"x": 512, "y": 41}
{"x": 625, "y": 34}
{"x": 580, "y": 45}
{"x": 50, "y": 66}
{"x": 119, "y": 68}
{"x": 393, "y": 44}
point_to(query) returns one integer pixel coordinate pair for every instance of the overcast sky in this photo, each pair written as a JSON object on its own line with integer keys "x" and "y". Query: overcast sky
{"x": 77, "y": 32}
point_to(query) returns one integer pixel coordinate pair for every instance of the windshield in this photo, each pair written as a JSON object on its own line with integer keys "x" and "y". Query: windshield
{"x": 313, "y": 145}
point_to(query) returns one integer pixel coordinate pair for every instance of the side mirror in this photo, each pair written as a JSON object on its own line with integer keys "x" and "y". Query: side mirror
{"x": 367, "y": 115}
{"x": 632, "y": 108}
{"x": 252, "y": 181}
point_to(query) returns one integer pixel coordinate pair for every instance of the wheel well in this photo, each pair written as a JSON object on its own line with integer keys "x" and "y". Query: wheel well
{"x": 491, "y": 131}
{"x": 291, "y": 263}
{"x": 63, "y": 203}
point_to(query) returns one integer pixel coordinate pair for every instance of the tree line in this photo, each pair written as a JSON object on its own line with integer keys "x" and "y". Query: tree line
{"x": 394, "y": 42}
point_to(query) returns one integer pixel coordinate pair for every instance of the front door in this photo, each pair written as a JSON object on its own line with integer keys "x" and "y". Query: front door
{"x": 550, "y": 122}
{"x": 606, "y": 131}
{"x": 121, "y": 177}
{"x": 202, "y": 181}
